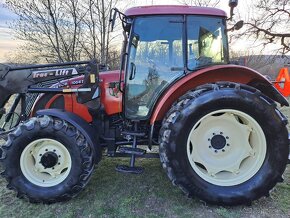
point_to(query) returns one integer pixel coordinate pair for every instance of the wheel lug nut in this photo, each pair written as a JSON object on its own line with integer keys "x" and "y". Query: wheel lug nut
{"x": 54, "y": 150}
{"x": 215, "y": 151}
{"x": 213, "y": 133}
{"x": 228, "y": 144}
{"x": 58, "y": 163}
{"x": 209, "y": 146}
{"x": 208, "y": 139}
{"x": 53, "y": 168}
{"x": 46, "y": 149}
{"x": 40, "y": 155}
{"x": 221, "y": 133}
{"x": 227, "y": 137}
{"x": 59, "y": 156}
{"x": 223, "y": 150}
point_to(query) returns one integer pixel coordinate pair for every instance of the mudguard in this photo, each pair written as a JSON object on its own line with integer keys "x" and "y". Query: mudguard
{"x": 90, "y": 133}
{"x": 217, "y": 73}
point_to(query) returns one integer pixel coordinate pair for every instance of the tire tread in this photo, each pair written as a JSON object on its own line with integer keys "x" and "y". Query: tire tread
{"x": 179, "y": 179}
{"x": 87, "y": 156}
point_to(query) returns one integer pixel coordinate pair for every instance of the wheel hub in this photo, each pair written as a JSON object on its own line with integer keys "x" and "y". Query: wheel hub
{"x": 49, "y": 160}
{"x": 45, "y": 162}
{"x": 218, "y": 142}
{"x": 226, "y": 147}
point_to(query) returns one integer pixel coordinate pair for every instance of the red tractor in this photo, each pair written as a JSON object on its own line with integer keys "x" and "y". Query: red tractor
{"x": 220, "y": 135}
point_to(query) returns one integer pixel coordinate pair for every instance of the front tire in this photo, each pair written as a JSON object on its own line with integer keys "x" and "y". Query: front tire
{"x": 225, "y": 143}
{"x": 47, "y": 160}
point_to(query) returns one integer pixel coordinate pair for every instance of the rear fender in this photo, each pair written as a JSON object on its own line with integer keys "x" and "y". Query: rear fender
{"x": 87, "y": 130}
{"x": 231, "y": 73}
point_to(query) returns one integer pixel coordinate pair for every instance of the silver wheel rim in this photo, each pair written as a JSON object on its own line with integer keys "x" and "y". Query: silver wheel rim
{"x": 226, "y": 147}
{"x": 45, "y": 162}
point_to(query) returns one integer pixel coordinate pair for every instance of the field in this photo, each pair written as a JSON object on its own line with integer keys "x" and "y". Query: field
{"x": 110, "y": 194}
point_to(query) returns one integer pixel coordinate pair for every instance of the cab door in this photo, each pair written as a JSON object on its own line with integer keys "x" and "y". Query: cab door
{"x": 155, "y": 61}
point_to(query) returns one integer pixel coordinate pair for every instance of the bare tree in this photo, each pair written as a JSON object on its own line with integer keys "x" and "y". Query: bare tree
{"x": 270, "y": 24}
{"x": 206, "y": 3}
{"x": 50, "y": 28}
{"x": 98, "y": 40}
{"x": 63, "y": 30}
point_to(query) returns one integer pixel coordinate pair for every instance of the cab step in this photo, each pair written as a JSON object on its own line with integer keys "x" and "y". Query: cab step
{"x": 133, "y": 152}
{"x": 128, "y": 169}
{"x": 130, "y": 150}
{"x": 134, "y": 133}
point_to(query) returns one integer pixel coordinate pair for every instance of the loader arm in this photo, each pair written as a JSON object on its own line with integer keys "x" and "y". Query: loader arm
{"x": 39, "y": 78}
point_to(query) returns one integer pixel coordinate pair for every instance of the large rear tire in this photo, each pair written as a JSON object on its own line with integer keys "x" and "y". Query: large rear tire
{"x": 225, "y": 143}
{"x": 47, "y": 160}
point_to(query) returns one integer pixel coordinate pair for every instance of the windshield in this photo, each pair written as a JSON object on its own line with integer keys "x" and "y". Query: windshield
{"x": 206, "y": 41}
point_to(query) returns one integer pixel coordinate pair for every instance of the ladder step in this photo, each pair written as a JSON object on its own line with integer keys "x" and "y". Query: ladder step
{"x": 130, "y": 150}
{"x": 128, "y": 169}
{"x": 134, "y": 133}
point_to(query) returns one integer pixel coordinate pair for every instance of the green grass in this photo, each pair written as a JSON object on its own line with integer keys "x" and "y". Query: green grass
{"x": 111, "y": 194}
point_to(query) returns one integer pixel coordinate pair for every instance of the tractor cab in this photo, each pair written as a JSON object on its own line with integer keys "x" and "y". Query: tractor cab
{"x": 164, "y": 44}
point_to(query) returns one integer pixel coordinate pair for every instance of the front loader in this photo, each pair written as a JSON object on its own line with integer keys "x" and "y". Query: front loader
{"x": 220, "y": 134}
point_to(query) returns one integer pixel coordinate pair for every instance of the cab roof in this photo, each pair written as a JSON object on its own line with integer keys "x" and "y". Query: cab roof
{"x": 173, "y": 9}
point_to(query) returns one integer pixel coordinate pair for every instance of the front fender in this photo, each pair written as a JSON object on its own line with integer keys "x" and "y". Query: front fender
{"x": 231, "y": 73}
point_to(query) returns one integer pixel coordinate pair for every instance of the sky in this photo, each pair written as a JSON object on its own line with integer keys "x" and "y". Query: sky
{"x": 9, "y": 44}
